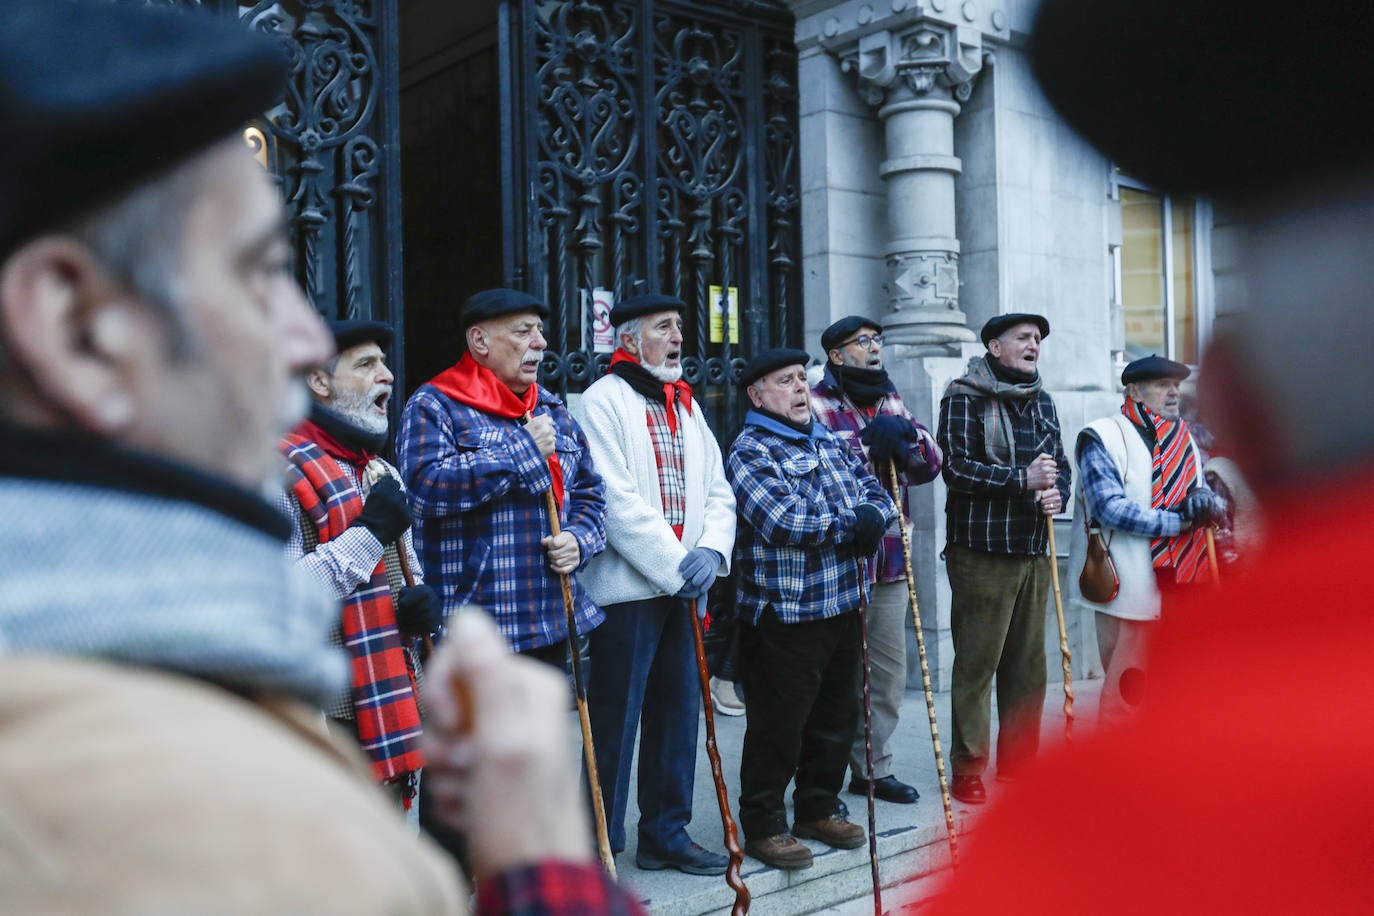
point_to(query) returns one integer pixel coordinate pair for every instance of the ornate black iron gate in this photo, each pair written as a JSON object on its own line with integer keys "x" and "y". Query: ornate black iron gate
{"x": 334, "y": 144}
{"x": 651, "y": 145}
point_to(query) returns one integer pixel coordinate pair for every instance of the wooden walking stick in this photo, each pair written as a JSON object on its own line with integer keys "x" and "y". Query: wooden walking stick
{"x": 1212, "y": 556}
{"x": 925, "y": 674}
{"x": 1063, "y": 635}
{"x": 732, "y": 871}
{"x": 603, "y": 840}
{"x": 868, "y": 739}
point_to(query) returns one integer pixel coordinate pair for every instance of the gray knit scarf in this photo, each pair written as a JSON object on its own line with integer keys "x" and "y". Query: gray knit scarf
{"x": 161, "y": 583}
{"x": 980, "y": 382}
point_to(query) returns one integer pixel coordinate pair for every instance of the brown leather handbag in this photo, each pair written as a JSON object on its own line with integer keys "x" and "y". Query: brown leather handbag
{"x": 1098, "y": 581}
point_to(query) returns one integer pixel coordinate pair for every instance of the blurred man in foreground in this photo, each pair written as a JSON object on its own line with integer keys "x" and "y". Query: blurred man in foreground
{"x": 1244, "y": 785}
{"x": 165, "y": 662}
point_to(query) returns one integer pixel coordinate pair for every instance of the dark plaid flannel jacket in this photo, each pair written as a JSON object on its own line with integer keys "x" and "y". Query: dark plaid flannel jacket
{"x": 988, "y": 507}
{"x": 796, "y": 496}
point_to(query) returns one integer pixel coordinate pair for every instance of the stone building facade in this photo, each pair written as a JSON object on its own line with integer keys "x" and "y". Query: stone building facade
{"x": 939, "y": 189}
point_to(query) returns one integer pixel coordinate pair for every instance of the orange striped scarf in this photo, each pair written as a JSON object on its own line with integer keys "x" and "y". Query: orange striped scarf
{"x": 1173, "y": 472}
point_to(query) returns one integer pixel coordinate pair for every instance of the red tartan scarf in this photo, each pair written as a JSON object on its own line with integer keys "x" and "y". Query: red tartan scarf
{"x": 1173, "y": 472}
{"x": 384, "y": 707}
{"x": 628, "y": 367}
{"x": 477, "y": 386}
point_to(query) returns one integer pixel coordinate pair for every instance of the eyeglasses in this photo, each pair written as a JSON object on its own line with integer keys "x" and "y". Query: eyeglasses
{"x": 865, "y": 341}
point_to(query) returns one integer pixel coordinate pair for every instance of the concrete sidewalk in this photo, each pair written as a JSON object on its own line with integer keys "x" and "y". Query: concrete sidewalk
{"x": 912, "y": 846}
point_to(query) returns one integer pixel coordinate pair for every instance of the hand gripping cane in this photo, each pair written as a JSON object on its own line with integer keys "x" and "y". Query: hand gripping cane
{"x": 868, "y": 738}
{"x": 603, "y": 840}
{"x": 732, "y": 871}
{"x": 925, "y": 673}
{"x": 374, "y": 472}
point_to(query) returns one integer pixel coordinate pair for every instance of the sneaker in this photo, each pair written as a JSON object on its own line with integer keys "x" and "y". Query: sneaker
{"x": 724, "y": 698}
{"x": 691, "y": 859}
{"x": 834, "y": 831}
{"x": 780, "y": 851}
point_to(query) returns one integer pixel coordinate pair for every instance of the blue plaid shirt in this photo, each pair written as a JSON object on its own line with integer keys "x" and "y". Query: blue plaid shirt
{"x": 1106, "y": 496}
{"x": 796, "y": 496}
{"x": 477, "y": 485}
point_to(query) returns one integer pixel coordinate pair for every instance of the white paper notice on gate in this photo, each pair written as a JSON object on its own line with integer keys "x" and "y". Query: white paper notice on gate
{"x": 718, "y": 313}
{"x": 603, "y": 335}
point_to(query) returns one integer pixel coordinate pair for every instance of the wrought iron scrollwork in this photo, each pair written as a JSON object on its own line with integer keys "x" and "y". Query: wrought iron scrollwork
{"x": 651, "y": 164}
{"x": 323, "y": 143}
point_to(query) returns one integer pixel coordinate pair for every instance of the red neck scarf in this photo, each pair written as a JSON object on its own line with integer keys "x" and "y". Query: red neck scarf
{"x": 1173, "y": 472}
{"x": 678, "y": 391}
{"x": 477, "y": 386}
{"x": 312, "y": 431}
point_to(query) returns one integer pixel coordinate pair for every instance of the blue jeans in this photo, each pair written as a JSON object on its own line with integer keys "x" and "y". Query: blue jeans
{"x": 643, "y": 668}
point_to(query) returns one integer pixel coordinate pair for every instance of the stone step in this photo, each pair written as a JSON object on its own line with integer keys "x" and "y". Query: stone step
{"x": 913, "y": 850}
{"x": 838, "y": 877}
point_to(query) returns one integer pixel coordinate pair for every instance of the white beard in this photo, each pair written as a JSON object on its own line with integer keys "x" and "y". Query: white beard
{"x": 664, "y": 374}
{"x": 357, "y": 409}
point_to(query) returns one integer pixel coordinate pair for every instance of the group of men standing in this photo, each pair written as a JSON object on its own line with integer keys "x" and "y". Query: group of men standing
{"x": 630, "y": 505}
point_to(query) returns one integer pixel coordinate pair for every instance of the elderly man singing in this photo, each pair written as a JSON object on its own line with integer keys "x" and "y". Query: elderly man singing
{"x": 670, "y": 526}
{"x": 480, "y": 445}
{"x": 811, "y": 516}
{"x": 1140, "y": 479}
{"x": 348, "y": 531}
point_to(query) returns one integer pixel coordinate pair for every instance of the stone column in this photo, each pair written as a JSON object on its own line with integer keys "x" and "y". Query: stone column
{"x": 915, "y": 76}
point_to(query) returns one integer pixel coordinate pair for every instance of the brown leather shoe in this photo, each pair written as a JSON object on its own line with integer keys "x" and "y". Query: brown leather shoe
{"x": 833, "y": 831}
{"x": 968, "y": 789}
{"x": 780, "y": 851}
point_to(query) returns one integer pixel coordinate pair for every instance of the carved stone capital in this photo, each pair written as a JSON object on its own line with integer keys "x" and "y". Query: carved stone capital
{"x": 923, "y": 295}
{"x": 924, "y": 57}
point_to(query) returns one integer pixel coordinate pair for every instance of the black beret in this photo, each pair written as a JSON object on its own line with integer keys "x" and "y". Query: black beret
{"x": 998, "y": 325}
{"x": 1202, "y": 96}
{"x": 845, "y": 328}
{"x": 771, "y": 361}
{"x": 96, "y": 97}
{"x": 1153, "y": 367}
{"x": 646, "y": 304}
{"x": 493, "y": 303}
{"x": 351, "y": 333}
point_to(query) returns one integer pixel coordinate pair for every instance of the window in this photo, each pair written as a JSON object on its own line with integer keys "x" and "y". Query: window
{"x": 1162, "y": 267}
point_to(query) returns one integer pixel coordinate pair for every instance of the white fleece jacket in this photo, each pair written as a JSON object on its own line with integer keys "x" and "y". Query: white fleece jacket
{"x": 642, "y": 553}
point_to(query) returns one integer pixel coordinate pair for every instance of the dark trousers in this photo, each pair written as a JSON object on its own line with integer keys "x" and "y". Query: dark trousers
{"x": 644, "y": 676}
{"x": 554, "y": 654}
{"x": 997, "y": 619}
{"x": 800, "y": 681}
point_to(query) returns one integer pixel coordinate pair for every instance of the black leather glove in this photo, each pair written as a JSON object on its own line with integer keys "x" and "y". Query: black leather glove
{"x": 385, "y": 513}
{"x": 418, "y": 611}
{"x": 889, "y": 439}
{"x": 868, "y": 529}
{"x": 1200, "y": 507}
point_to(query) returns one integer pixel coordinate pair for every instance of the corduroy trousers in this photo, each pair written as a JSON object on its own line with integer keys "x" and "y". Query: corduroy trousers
{"x": 997, "y": 620}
